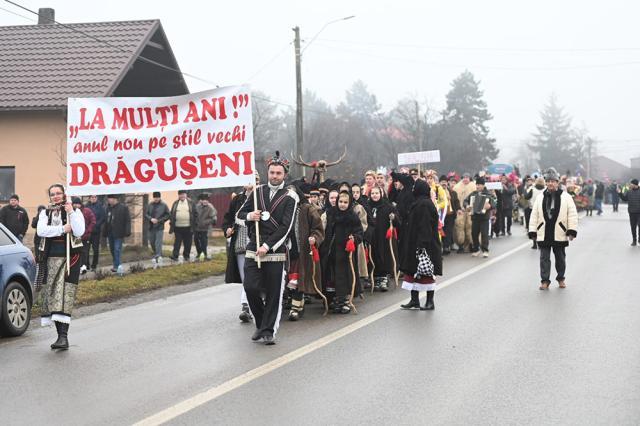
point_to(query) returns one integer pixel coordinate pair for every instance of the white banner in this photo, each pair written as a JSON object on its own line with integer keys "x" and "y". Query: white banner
{"x": 419, "y": 157}
{"x": 128, "y": 145}
{"x": 494, "y": 185}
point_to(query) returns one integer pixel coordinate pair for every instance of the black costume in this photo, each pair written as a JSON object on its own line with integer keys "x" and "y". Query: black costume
{"x": 379, "y": 226}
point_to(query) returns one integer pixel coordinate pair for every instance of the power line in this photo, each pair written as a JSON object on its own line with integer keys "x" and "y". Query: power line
{"x": 500, "y": 68}
{"x": 484, "y": 49}
{"x": 17, "y": 14}
{"x": 269, "y": 62}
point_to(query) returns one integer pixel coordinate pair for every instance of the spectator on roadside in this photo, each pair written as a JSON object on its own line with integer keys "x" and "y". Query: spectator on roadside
{"x": 157, "y": 214}
{"x": 118, "y": 226}
{"x": 89, "y": 224}
{"x": 183, "y": 221}
{"x": 506, "y": 196}
{"x": 34, "y": 225}
{"x": 15, "y": 217}
{"x": 207, "y": 216}
{"x": 632, "y": 197}
{"x": 614, "y": 188}
{"x": 100, "y": 214}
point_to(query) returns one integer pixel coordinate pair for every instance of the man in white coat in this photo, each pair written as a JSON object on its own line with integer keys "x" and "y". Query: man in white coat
{"x": 553, "y": 223}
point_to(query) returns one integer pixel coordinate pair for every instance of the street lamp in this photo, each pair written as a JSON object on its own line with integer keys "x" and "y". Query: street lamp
{"x": 299, "y": 152}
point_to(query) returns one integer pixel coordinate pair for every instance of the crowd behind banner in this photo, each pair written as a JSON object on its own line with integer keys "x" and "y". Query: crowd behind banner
{"x": 364, "y": 233}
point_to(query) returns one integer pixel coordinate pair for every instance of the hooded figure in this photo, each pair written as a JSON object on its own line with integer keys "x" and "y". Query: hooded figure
{"x": 420, "y": 249}
{"x": 337, "y": 275}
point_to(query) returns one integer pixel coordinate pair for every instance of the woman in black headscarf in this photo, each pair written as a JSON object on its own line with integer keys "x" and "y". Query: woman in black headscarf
{"x": 382, "y": 214}
{"x": 420, "y": 250}
{"x": 343, "y": 229}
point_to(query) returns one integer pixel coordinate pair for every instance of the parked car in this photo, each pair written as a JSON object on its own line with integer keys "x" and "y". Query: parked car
{"x": 17, "y": 277}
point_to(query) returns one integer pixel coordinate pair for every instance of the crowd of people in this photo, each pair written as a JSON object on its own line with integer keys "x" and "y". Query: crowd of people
{"x": 291, "y": 243}
{"x": 332, "y": 241}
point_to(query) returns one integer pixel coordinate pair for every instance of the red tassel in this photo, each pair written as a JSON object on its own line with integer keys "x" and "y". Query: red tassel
{"x": 366, "y": 253}
{"x": 315, "y": 254}
{"x": 351, "y": 246}
{"x": 391, "y": 234}
{"x": 293, "y": 276}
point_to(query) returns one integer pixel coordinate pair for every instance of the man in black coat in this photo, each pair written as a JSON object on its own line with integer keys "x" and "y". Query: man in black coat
{"x": 632, "y": 197}
{"x": 117, "y": 228}
{"x": 275, "y": 213}
{"x": 15, "y": 217}
{"x": 94, "y": 241}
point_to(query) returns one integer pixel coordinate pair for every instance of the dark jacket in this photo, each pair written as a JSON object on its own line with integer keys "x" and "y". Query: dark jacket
{"x": 274, "y": 231}
{"x": 404, "y": 198}
{"x": 476, "y": 200}
{"x": 420, "y": 230}
{"x": 118, "y": 222}
{"x": 506, "y": 196}
{"x": 632, "y": 197}
{"x": 206, "y": 217}
{"x": 89, "y": 223}
{"x": 192, "y": 212}
{"x": 599, "y": 190}
{"x": 379, "y": 225}
{"x": 158, "y": 211}
{"x": 15, "y": 219}
{"x": 232, "y": 273}
{"x": 336, "y": 269}
{"x": 100, "y": 215}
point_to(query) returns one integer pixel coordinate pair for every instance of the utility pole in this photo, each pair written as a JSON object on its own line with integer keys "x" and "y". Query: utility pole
{"x": 589, "y": 143}
{"x": 299, "y": 141}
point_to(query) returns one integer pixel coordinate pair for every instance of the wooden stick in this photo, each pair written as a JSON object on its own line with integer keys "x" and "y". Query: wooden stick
{"x": 353, "y": 283}
{"x": 68, "y": 254}
{"x": 393, "y": 255}
{"x": 315, "y": 285}
{"x": 372, "y": 269}
{"x": 255, "y": 207}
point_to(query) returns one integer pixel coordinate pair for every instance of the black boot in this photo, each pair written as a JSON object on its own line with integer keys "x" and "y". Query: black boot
{"x": 62, "y": 342}
{"x": 429, "y": 306}
{"x": 414, "y": 303}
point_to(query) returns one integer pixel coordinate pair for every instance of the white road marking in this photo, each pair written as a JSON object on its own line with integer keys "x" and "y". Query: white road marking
{"x": 226, "y": 387}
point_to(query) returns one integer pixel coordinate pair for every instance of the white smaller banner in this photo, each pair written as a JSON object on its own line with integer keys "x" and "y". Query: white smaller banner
{"x": 419, "y": 157}
{"x": 494, "y": 185}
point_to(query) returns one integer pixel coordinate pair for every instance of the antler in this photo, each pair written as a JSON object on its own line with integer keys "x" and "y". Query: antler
{"x": 300, "y": 162}
{"x": 339, "y": 159}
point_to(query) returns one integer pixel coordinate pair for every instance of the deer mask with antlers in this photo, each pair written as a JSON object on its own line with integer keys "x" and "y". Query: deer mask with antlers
{"x": 319, "y": 167}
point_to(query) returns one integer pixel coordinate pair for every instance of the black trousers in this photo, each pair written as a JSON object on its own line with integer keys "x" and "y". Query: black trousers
{"x": 480, "y": 228}
{"x": 634, "y": 221}
{"x": 507, "y": 217}
{"x": 449, "y": 224}
{"x": 95, "y": 246}
{"x": 183, "y": 235}
{"x": 201, "y": 239}
{"x": 527, "y": 216}
{"x": 267, "y": 281}
{"x": 545, "y": 262}
{"x": 84, "y": 257}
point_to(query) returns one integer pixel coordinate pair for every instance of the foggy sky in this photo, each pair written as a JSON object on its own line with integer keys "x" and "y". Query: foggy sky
{"x": 586, "y": 52}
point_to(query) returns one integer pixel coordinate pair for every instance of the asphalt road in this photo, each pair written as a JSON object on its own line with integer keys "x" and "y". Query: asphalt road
{"x": 495, "y": 351}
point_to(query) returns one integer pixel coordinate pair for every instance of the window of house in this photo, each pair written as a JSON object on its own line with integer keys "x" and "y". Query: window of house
{"x": 7, "y": 182}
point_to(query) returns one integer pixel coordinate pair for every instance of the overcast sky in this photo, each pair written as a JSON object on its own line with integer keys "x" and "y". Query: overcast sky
{"x": 587, "y": 52}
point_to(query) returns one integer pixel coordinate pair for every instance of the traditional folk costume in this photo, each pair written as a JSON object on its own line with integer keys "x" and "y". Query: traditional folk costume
{"x": 278, "y": 205}
{"x": 236, "y": 248}
{"x": 421, "y": 256}
{"x": 57, "y": 286}
{"x": 302, "y": 280}
{"x": 383, "y": 240}
{"x": 337, "y": 271}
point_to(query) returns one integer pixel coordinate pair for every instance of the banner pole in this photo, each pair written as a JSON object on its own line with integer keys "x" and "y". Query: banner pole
{"x": 255, "y": 206}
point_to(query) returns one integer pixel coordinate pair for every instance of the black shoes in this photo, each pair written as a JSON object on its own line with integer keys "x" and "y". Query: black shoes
{"x": 413, "y": 304}
{"x": 257, "y": 335}
{"x": 268, "y": 340}
{"x": 429, "y": 306}
{"x": 634, "y": 243}
{"x": 62, "y": 342}
{"x": 245, "y": 315}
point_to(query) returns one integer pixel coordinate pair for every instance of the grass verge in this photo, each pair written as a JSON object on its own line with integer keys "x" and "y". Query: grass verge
{"x": 114, "y": 287}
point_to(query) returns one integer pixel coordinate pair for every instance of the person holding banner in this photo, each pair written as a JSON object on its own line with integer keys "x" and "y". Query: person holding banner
{"x": 274, "y": 210}
{"x": 59, "y": 254}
